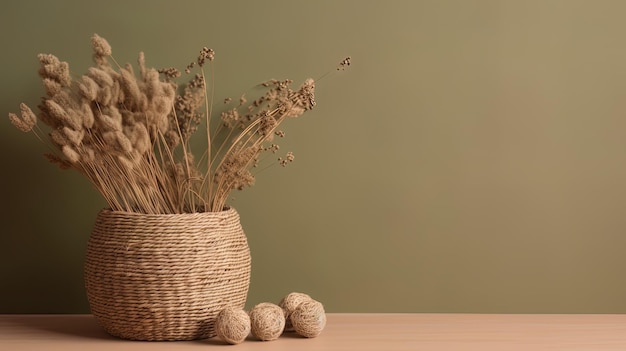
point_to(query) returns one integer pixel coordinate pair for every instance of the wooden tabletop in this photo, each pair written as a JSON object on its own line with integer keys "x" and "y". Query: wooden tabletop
{"x": 432, "y": 332}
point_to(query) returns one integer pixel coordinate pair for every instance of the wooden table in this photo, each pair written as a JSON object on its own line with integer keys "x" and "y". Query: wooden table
{"x": 380, "y": 332}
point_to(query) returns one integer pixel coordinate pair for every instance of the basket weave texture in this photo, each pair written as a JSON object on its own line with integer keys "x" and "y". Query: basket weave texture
{"x": 165, "y": 277}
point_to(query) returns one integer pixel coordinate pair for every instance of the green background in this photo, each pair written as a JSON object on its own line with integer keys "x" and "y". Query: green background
{"x": 472, "y": 159}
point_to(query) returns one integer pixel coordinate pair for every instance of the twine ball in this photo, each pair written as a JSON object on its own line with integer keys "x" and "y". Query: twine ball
{"x": 309, "y": 318}
{"x": 267, "y": 321}
{"x": 289, "y": 304}
{"x": 232, "y": 325}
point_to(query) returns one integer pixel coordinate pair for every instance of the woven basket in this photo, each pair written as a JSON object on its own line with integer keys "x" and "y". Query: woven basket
{"x": 165, "y": 277}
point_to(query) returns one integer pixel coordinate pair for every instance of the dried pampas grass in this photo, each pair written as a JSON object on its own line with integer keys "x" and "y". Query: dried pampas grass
{"x": 128, "y": 130}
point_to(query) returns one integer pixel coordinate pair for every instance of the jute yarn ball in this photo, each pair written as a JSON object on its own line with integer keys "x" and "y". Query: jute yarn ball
{"x": 289, "y": 304}
{"x": 232, "y": 325}
{"x": 309, "y": 318}
{"x": 267, "y": 321}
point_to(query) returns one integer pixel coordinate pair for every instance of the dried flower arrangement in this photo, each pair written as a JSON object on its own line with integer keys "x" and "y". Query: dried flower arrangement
{"x": 129, "y": 133}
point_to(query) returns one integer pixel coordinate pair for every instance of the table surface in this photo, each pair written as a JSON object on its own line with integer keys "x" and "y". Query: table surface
{"x": 433, "y": 332}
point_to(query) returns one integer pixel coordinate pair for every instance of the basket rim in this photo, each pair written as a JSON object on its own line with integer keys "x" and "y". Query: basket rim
{"x": 228, "y": 210}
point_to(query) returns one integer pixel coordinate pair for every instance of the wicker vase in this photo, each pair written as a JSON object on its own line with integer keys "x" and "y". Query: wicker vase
{"x": 165, "y": 277}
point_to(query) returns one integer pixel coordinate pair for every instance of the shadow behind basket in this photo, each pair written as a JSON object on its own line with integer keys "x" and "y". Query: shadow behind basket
{"x": 165, "y": 277}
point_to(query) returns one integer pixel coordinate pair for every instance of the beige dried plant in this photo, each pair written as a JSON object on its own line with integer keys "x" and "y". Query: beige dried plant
{"x": 130, "y": 132}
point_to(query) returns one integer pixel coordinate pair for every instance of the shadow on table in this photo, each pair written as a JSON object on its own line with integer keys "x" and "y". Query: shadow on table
{"x": 217, "y": 341}
{"x": 83, "y": 326}
{"x": 86, "y": 326}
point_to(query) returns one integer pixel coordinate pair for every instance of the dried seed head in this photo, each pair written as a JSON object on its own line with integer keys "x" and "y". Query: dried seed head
{"x": 109, "y": 123}
{"x": 140, "y": 138}
{"x": 233, "y": 171}
{"x": 172, "y": 139}
{"x": 344, "y": 64}
{"x": 62, "y": 116}
{"x": 87, "y": 114}
{"x": 134, "y": 97}
{"x": 71, "y": 154}
{"x": 88, "y": 155}
{"x": 230, "y": 118}
{"x": 306, "y": 94}
{"x": 104, "y": 96}
{"x": 75, "y": 137}
{"x": 62, "y": 163}
{"x": 289, "y": 157}
{"x": 53, "y": 68}
{"x": 170, "y": 72}
{"x": 189, "y": 67}
{"x": 205, "y": 54}
{"x": 51, "y": 86}
{"x": 273, "y": 148}
{"x": 27, "y": 115}
{"x": 100, "y": 46}
{"x": 267, "y": 125}
{"x": 162, "y": 105}
{"x": 88, "y": 88}
{"x": 19, "y": 123}
{"x": 123, "y": 142}
{"x": 59, "y": 138}
{"x": 100, "y": 76}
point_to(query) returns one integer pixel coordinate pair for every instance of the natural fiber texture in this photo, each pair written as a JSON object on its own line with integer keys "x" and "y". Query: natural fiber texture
{"x": 309, "y": 318}
{"x": 289, "y": 304}
{"x": 232, "y": 325}
{"x": 165, "y": 277}
{"x": 267, "y": 321}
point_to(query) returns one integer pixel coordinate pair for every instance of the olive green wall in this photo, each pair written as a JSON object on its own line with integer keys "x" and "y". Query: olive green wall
{"x": 473, "y": 159}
